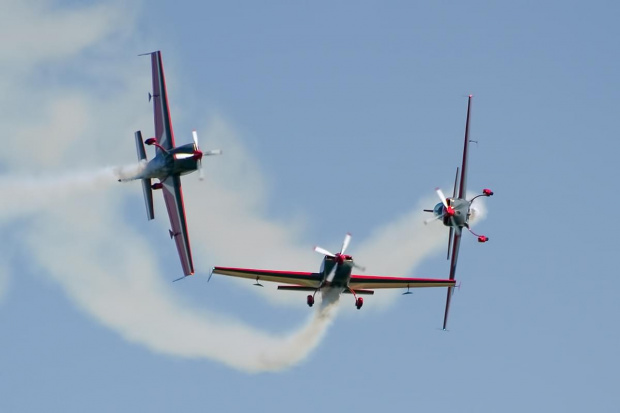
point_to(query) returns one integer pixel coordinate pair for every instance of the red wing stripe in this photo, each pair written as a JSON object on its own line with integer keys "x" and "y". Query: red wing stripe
{"x": 463, "y": 185}
{"x": 173, "y": 195}
{"x": 397, "y": 279}
{"x": 264, "y": 272}
{"x": 305, "y": 279}
{"x": 163, "y": 124}
{"x": 371, "y": 282}
{"x": 445, "y": 315}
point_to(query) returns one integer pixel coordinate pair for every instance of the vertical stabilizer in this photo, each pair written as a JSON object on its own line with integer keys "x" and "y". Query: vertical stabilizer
{"x": 140, "y": 146}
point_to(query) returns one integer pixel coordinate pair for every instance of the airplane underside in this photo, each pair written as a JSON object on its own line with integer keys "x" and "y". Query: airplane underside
{"x": 329, "y": 292}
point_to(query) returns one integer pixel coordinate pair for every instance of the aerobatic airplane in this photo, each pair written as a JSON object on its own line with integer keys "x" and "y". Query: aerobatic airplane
{"x": 335, "y": 274}
{"x": 456, "y": 211}
{"x": 169, "y": 163}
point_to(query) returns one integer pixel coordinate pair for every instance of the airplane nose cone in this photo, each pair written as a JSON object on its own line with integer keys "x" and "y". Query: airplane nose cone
{"x": 197, "y": 155}
{"x": 339, "y": 258}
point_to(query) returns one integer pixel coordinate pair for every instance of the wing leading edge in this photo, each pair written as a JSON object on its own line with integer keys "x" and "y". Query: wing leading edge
{"x": 463, "y": 183}
{"x": 369, "y": 282}
{"x": 173, "y": 195}
{"x": 163, "y": 125}
{"x": 305, "y": 279}
{"x": 313, "y": 280}
{"x": 456, "y": 241}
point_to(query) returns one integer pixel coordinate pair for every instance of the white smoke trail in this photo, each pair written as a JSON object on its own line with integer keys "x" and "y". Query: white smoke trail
{"x": 74, "y": 226}
{"x": 478, "y": 209}
{"x": 76, "y": 241}
{"x": 28, "y": 194}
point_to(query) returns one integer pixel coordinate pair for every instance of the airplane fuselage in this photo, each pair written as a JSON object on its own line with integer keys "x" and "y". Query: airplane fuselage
{"x": 178, "y": 161}
{"x": 342, "y": 274}
{"x": 338, "y": 282}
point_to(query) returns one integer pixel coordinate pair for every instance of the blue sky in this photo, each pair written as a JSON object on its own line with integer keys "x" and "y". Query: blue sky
{"x": 333, "y": 117}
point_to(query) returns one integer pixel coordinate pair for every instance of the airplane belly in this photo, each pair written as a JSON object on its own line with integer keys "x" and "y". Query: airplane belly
{"x": 330, "y": 294}
{"x": 156, "y": 168}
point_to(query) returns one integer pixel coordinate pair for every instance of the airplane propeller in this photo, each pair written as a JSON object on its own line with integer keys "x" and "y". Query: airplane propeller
{"x": 340, "y": 257}
{"x": 449, "y": 209}
{"x": 198, "y": 154}
{"x": 435, "y": 218}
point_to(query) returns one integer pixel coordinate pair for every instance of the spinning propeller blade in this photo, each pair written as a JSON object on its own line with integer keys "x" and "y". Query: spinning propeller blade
{"x": 359, "y": 267}
{"x": 340, "y": 257}
{"x": 332, "y": 273}
{"x": 201, "y": 175}
{"x": 324, "y": 251}
{"x": 435, "y": 218}
{"x": 442, "y": 197}
{"x": 345, "y": 243}
{"x": 207, "y": 153}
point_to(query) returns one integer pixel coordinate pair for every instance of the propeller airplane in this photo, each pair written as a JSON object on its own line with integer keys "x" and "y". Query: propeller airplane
{"x": 455, "y": 212}
{"x": 169, "y": 163}
{"x": 334, "y": 276}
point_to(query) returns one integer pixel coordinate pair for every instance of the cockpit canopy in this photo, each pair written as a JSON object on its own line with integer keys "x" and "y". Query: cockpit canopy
{"x": 438, "y": 210}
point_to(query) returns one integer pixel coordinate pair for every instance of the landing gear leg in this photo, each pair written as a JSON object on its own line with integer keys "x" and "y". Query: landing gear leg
{"x": 359, "y": 301}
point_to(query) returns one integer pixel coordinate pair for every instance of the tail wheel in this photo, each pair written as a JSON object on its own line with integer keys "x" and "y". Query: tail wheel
{"x": 359, "y": 302}
{"x": 310, "y": 300}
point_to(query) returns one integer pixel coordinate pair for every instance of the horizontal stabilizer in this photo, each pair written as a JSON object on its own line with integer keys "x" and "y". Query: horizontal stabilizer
{"x": 148, "y": 198}
{"x": 360, "y": 292}
{"x": 140, "y": 146}
{"x": 295, "y": 288}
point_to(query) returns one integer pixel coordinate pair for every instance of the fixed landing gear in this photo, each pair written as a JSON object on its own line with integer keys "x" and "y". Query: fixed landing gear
{"x": 359, "y": 302}
{"x": 310, "y": 300}
{"x": 481, "y": 238}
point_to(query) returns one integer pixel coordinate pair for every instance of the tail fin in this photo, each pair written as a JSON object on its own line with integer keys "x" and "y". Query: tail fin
{"x": 148, "y": 198}
{"x": 146, "y": 183}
